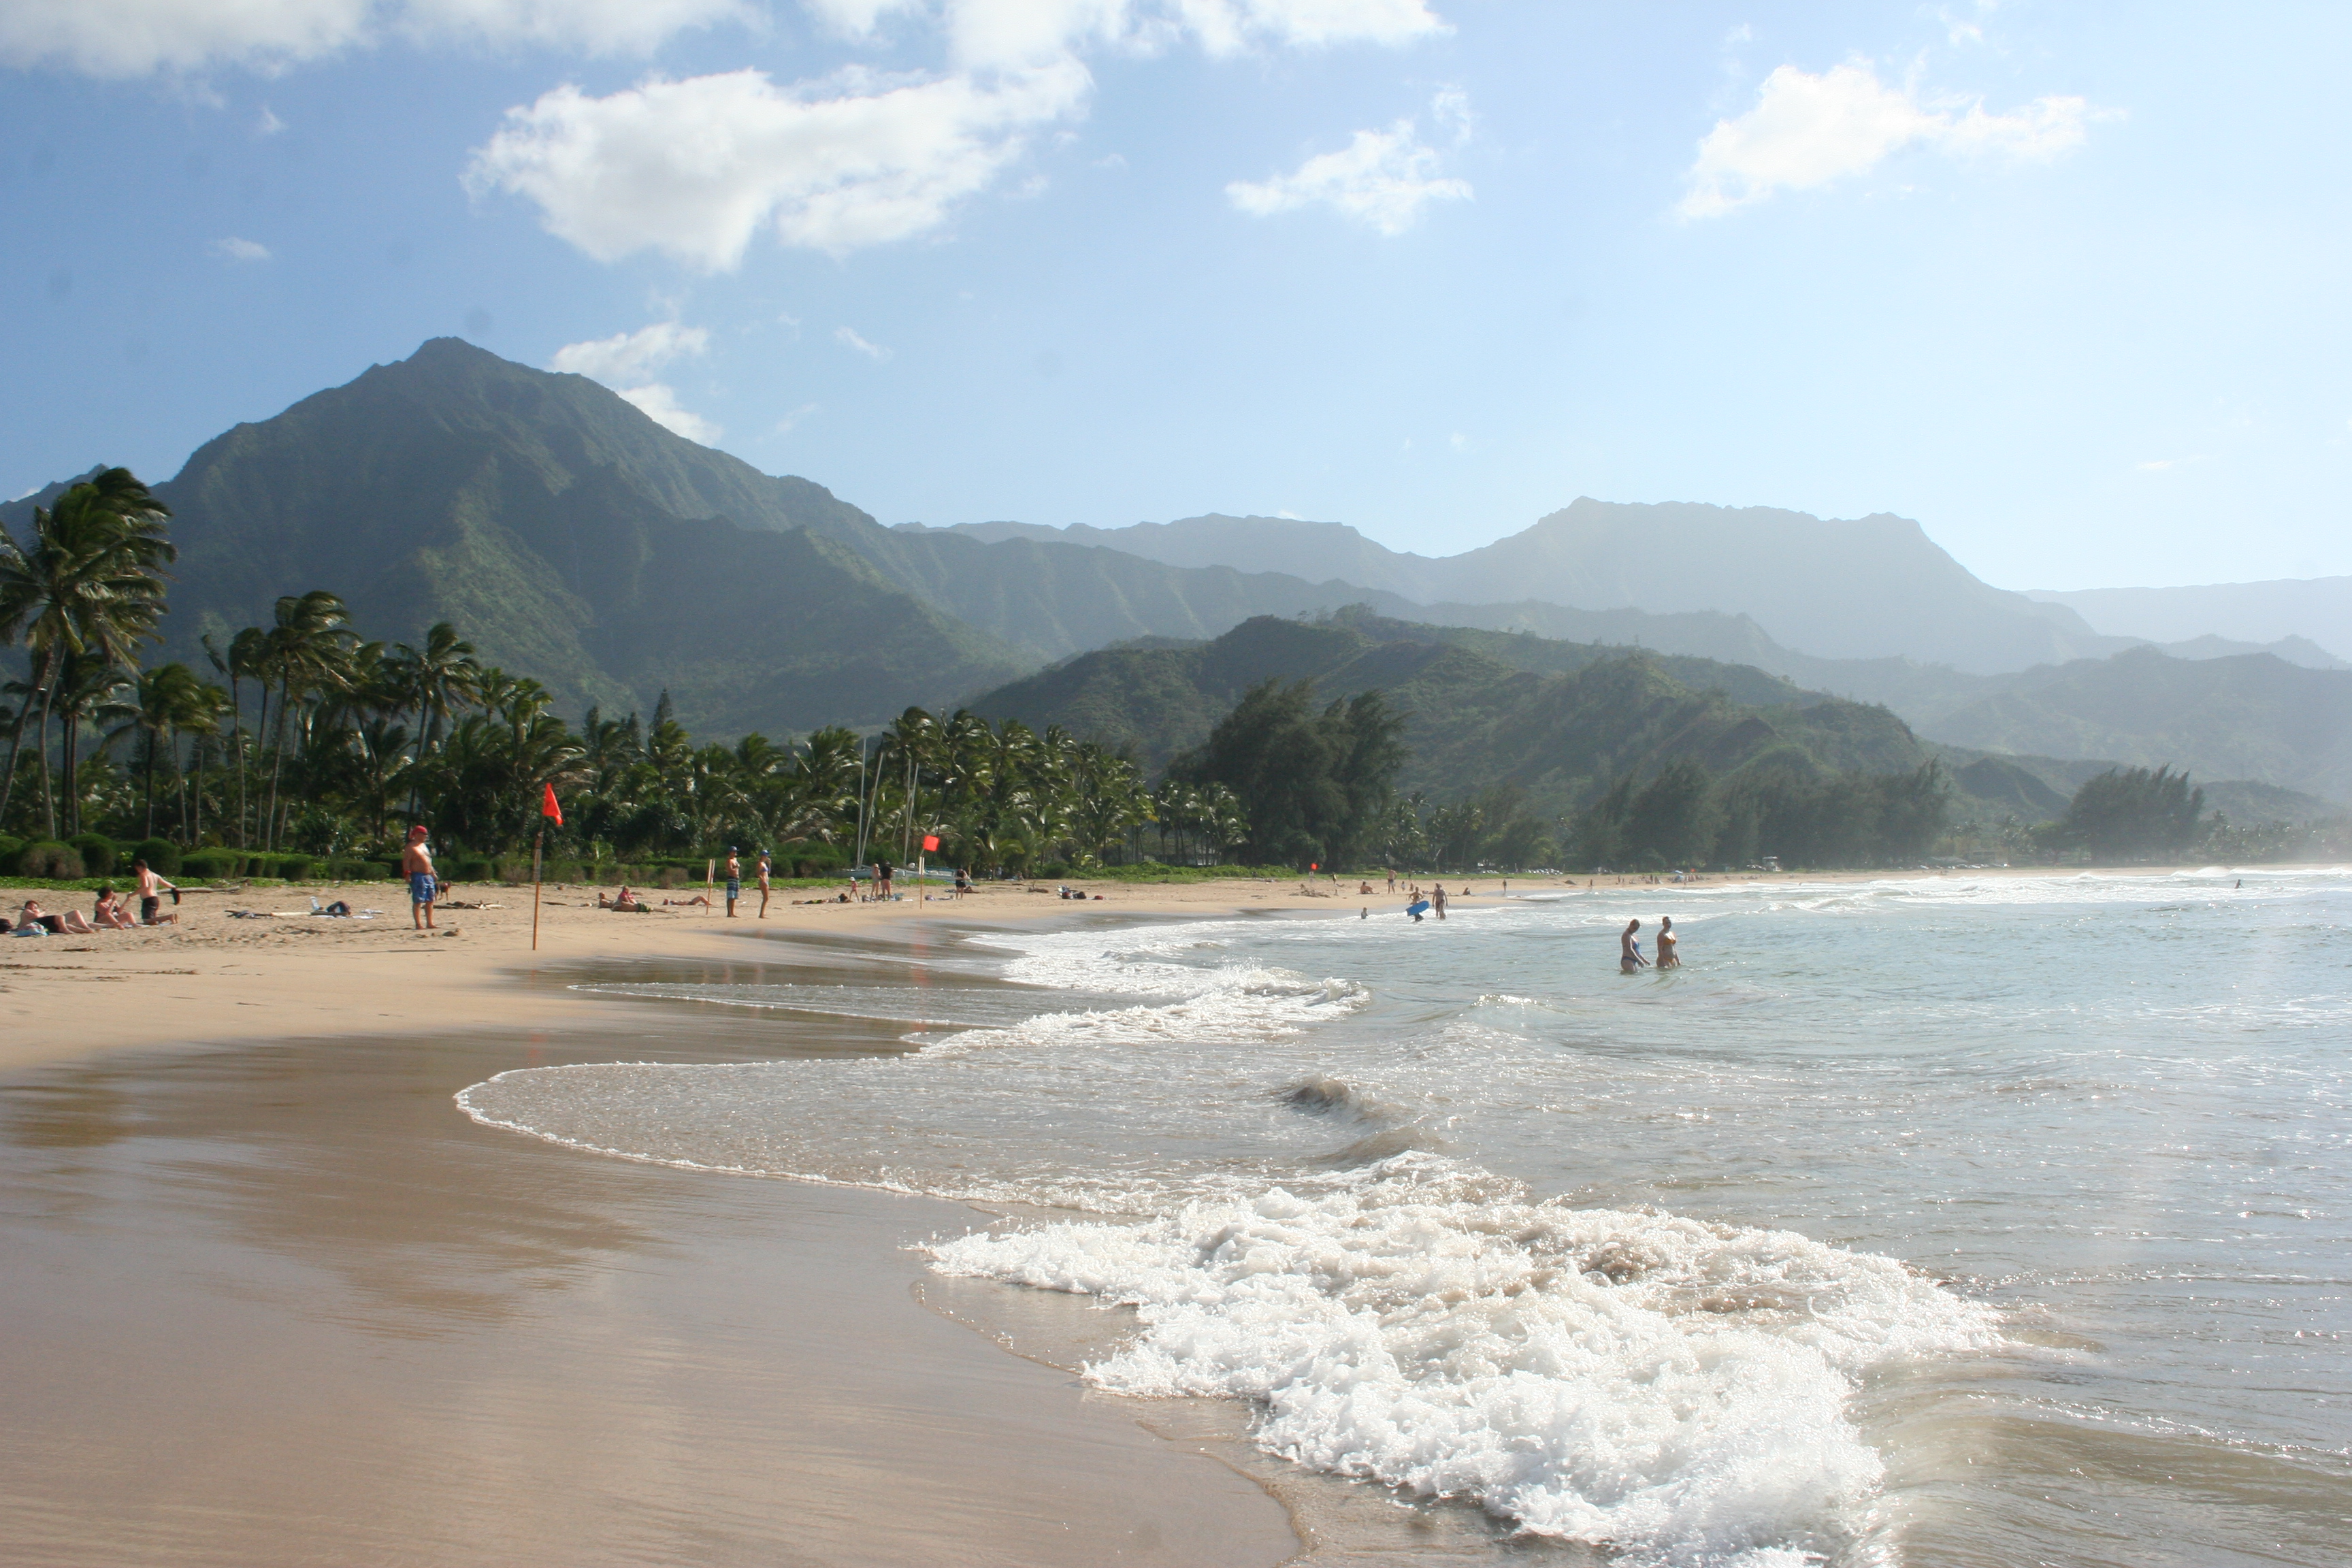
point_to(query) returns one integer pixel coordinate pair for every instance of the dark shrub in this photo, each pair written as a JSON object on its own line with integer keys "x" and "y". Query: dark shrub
{"x": 49, "y": 859}
{"x": 293, "y": 868}
{"x": 474, "y": 871}
{"x": 211, "y": 865}
{"x": 162, "y": 856}
{"x": 97, "y": 851}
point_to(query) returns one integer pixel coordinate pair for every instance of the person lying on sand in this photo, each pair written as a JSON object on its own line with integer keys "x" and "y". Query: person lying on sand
{"x": 687, "y": 903}
{"x": 69, "y": 923}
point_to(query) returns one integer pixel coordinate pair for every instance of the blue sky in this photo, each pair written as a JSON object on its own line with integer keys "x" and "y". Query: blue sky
{"x": 2064, "y": 284}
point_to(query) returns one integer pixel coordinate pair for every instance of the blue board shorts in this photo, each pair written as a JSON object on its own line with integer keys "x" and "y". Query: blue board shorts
{"x": 420, "y": 887}
{"x": 734, "y": 887}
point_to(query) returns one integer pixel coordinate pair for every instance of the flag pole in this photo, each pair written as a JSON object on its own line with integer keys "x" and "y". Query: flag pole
{"x": 536, "y": 845}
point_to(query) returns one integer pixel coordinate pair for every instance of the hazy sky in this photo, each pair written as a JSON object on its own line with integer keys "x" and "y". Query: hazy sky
{"x": 2066, "y": 284}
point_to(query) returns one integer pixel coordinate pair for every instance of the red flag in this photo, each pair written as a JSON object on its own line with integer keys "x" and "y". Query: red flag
{"x": 930, "y": 843}
{"x": 548, "y": 807}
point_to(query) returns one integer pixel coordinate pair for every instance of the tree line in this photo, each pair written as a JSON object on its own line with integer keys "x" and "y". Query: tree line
{"x": 302, "y": 737}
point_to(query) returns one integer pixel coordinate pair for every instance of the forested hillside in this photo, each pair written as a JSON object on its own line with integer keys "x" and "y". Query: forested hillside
{"x": 1558, "y": 720}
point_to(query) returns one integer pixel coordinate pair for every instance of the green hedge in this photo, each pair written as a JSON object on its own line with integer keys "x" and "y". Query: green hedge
{"x": 48, "y": 860}
{"x": 99, "y": 856}
{"x": 162, "y": 856}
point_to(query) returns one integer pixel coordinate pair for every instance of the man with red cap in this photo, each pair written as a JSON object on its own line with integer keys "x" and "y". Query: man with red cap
{"x": 416, "y": 865}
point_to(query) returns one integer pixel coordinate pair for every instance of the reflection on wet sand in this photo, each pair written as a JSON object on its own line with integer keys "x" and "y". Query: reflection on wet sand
{"x": 284, "y": 1303}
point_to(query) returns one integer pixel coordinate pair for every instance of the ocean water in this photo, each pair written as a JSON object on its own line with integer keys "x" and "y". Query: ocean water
{"x": 1968, "y": 1220}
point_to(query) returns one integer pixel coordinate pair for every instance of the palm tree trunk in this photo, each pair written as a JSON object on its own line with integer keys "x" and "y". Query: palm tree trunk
{"x": 49, "y": 798}
{"x": 277, "y": 762}
{"x": 152, "y": 737}
{"x": 236, "y": 738}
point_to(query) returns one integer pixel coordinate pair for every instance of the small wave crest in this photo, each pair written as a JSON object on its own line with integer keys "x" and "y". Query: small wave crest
{"x": 1670, "y": 1389}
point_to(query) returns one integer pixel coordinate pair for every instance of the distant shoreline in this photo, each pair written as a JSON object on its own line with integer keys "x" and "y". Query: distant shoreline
{"x": 215, "y": 980}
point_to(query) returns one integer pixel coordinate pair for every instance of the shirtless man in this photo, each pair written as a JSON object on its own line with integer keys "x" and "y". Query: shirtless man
{"x": 152, "y": 890}
{"x": 1628, "y": 950}
{"x": 1437, "y": 899}
{"x": 734, "y": 879}
{"x": 1666, "y": 940}
{"x": 416, "y": 865}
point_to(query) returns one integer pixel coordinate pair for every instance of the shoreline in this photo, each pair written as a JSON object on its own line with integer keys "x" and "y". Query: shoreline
{"x": 211, "y": 978}
{"x": 309, "y": 990}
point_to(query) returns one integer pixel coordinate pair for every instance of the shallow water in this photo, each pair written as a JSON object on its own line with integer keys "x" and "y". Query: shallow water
{"x": 1966, "y": 1221}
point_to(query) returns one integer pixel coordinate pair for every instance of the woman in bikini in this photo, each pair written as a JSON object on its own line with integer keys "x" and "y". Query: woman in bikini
{"x": 1628, "y": 950}
{"x": 1666, "y": 939}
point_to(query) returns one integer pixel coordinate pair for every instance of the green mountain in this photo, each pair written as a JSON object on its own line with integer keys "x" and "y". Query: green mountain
{"x": 1560, "y": 719}
{"x": 2250, "y": 717}
{"x": 575, "y": 540}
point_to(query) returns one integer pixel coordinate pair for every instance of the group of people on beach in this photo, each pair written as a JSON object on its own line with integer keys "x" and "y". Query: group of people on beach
{"x": 1629, "y": 947}
{"x": 111, "y": 912}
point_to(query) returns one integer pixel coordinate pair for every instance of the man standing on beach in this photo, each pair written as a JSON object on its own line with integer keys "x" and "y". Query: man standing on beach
{"x": 734, "y": 879}
{"x": 416, "y": 865}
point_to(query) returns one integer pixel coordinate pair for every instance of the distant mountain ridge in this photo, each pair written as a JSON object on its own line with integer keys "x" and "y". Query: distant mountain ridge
{"x": 2316, "y": 609}
{"x": 1814, "y": 589}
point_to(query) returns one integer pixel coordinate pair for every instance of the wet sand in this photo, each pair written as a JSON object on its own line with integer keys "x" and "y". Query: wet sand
{"x": 283, "y": 1303}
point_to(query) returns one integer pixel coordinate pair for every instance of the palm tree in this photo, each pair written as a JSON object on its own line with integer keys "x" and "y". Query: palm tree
{"x": 164, "y": 701}
{"x": 87, "y": 685}
{"x": 306, "y": 650}
{"x": 90, "y": 582}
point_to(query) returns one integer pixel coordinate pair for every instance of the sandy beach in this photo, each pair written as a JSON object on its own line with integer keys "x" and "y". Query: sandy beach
{"x": 276, "y": 1301}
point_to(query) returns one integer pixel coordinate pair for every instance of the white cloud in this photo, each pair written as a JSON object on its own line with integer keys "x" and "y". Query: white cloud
{"x": 855, "y": 18}
{"x": 2165, "y": 465}
{"x": 627, "y": 357}
{"x": 696, "y": 168}
{"x": 136, "y": 37}
{"x": 236, "y": 250}
{"x": 1382, "y": 178}
{"x": 1225, "y": 27}
{"x": 849, "y": 339}
{"x": 626, "y": 362}
{"x": 1807, "y": 130}
{"x": 269, "y": 124}
{"x": 659, "y": 402}
{"x": 785, "y": 426}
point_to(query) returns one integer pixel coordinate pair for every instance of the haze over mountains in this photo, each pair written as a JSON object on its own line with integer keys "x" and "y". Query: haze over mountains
{"x": 575, "y": 540}
{"x": 1873, "y": 587}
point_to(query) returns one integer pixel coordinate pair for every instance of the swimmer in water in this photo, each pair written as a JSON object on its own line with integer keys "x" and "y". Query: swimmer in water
{"x": 1628, "y": 950}
{"x": 1666, "y": 940}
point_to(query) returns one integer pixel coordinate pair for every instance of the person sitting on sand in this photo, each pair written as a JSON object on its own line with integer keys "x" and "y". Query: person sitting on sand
{"x": 109, "y": 914}
{"x": 1666, "y": 940}
{"x": 1628, "y": 950}
{"x": 152, "y": 889}
{"x": 624, "y": 900}
{"x": 1367, "y": 887}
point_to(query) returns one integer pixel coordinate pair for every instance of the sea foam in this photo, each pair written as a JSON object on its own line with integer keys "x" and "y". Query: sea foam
{"x": 1672, "y": 1389}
